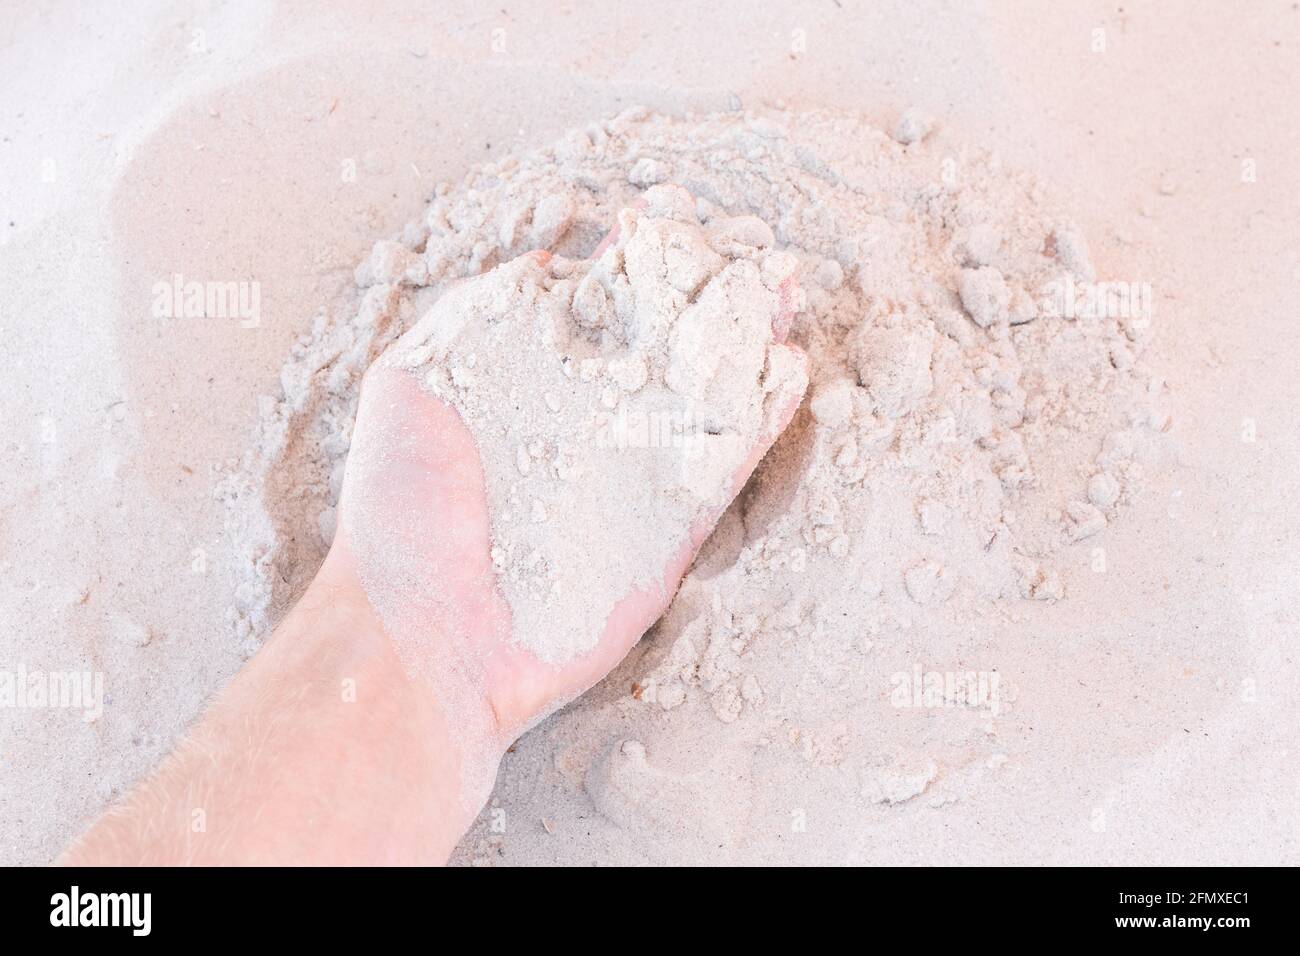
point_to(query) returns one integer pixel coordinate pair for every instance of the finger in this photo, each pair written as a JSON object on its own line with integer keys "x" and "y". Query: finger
{"x": 636, "y": 613}
{"x": 786, "y": 308}
{"x": 611, "y": 237}
{"x": 704, "y": 525}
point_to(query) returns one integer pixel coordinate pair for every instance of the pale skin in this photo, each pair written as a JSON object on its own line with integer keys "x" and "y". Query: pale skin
{"x": 328, "y": 747}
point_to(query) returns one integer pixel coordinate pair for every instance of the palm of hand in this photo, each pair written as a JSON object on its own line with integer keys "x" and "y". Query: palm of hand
{"x": 414, "y": 527}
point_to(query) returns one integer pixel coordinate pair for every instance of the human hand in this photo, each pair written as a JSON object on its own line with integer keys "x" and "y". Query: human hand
{"x": 369, "y": 726}
{"x": 414, "y": 511}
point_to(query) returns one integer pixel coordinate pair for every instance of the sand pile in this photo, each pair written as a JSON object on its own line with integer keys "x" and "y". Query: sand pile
{"x": 978, "y": 403}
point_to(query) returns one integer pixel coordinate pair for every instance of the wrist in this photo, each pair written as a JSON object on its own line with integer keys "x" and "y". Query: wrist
{"x": 431, "y": 703}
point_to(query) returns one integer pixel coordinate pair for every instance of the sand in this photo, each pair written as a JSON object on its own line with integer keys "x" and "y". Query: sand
{"x": 1152, "y": 718}
{"x": 548, "y": 361}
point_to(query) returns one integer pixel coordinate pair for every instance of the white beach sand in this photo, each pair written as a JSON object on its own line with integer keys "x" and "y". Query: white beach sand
{"x": 1154, "y": 718}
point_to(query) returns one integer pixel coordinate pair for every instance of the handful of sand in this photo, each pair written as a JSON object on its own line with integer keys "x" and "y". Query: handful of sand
{"x": 611, "y": 400}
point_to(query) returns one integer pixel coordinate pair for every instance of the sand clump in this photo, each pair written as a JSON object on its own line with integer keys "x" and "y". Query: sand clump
{"x": 958, "y": 433}
{"x": 611, "y": 401}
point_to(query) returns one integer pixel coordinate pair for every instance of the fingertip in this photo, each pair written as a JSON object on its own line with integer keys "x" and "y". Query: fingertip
{"x": 787, "y": 301}
{"x": 611, "y": 237}
{"x": 791, "y": 391}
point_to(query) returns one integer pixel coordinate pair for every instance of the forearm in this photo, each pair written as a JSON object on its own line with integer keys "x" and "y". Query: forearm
{"x": 322, "y": 750}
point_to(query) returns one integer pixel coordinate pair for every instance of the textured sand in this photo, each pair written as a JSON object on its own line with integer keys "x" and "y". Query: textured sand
{"x": 210, "y": 143}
